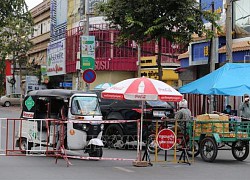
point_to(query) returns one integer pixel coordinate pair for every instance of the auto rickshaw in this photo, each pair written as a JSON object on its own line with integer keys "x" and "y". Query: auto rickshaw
{"x": 38, "y": 128}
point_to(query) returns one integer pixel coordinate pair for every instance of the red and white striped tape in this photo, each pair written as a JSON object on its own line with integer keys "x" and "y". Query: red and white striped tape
{"x": 103, "y": 121}
{"x": 77, "y": 121}
{"x": 97, "y": 158}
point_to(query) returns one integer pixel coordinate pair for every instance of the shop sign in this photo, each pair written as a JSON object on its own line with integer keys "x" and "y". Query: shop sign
{"x": 58, "y": 15}
{"x": 87, "y": 52}
{"x": 32, "y": 84}
{"x": 56, "y": 58}
{"x": 102, "y": 65}
{"x": 167, "y": 74}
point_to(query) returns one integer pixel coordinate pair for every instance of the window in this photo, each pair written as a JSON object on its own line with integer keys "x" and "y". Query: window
{"x": 242, "y": 15}
{"x": 41, "y": 29}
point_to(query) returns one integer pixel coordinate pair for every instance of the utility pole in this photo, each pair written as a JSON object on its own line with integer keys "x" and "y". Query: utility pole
{"x": 212, "y": 57}
{"x": 229, "y": 40}
{"x": 87, "y": 30}
{"x": 85, "y": 33}
{"x": 139, "y": 59}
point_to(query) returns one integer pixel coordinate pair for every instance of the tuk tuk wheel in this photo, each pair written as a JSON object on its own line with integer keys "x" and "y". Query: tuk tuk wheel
{"x": 190, "y": 147}
{"x": 24, "y": 146}
{"x": 96, "y": 151}
{"x": 208, "y": 149}
{"x": 240, "y": 150}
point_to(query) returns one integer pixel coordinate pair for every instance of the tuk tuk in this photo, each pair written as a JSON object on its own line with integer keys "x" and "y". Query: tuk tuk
{"x": 40, "y": 106}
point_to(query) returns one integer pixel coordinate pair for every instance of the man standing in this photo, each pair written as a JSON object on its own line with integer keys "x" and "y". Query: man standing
{"x": 245, "y": 108}
{"x": 183, "y": 115}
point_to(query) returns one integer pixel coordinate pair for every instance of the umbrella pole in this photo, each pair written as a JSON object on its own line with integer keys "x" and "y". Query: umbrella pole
{"x": 142, "y": 111}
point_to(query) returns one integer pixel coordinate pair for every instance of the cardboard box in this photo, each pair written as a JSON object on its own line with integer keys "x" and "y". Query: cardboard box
{"x": 212, "y": 117}
{"x": 214, "y": 127}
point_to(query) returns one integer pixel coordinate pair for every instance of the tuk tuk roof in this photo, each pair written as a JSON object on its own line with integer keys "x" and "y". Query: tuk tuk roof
{"x": 57, "y": 92}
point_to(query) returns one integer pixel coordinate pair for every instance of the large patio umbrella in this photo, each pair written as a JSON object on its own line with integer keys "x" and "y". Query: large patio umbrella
{"x": 142, "y": 89}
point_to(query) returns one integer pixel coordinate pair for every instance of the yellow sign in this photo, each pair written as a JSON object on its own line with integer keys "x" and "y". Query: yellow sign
{"x": 168, "y": 74}
{"x": 148, "y": 61}
{"x": 206, "y": 51}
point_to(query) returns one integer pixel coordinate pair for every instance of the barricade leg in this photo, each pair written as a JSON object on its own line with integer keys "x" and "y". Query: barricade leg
{"x": 60, "y": 148}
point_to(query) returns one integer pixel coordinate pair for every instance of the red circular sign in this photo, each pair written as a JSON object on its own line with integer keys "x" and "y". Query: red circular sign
{"x": 166, "y": 139}
{"x": 89, "y": 75}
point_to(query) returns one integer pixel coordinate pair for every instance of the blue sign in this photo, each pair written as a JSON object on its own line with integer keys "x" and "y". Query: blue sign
{"x": 66, "y": 84}
{"x": 58, "y": 16}
{"x": 89, "y": 75}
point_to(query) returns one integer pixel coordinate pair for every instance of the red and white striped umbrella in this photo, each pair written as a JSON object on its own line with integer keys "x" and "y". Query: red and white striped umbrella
{"x": 142, "y": 89}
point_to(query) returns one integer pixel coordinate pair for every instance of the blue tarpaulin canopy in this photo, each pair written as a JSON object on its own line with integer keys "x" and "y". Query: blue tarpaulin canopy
{"x": 232, "y": 79}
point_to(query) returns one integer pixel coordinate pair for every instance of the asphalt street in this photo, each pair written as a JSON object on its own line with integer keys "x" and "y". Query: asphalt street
{"x": 45, "y": 168}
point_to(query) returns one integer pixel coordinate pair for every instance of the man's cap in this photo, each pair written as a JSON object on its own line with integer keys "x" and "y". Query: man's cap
{"x": 246, "y": 95}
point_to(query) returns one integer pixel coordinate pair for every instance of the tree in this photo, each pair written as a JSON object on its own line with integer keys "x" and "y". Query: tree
{"x": 145, "y": 20}
{"x": 16, "y": 26}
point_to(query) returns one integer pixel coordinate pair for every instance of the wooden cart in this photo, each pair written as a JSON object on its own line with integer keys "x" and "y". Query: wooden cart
{"x": 214, "y": 132}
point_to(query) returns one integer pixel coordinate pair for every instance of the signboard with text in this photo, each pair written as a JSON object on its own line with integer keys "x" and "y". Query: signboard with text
{"x": 166, "y": 139}
{"x": 56, "y": 58}
{"x": 58, "y": 15}
{"x": 87, "y": 52}
{"x": 33, "y": 84}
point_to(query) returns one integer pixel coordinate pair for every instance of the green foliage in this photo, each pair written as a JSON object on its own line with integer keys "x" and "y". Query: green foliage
{"x": 16, "y": 26}
{"x": 144, "y": 20}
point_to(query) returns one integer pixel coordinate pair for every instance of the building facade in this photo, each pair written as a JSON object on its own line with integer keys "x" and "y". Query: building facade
{"x": 41, "y": 35}
{"x": 112, "y": 63}
{"x": 195, "y": 62}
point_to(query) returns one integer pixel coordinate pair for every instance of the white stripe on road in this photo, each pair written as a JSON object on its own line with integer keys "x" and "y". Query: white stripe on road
{"x": 124, "y": 169}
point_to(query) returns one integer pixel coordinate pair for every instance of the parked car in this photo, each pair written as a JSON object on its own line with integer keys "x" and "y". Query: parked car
{"x": 121, "y": 133}
{"x": 11, "y": 99}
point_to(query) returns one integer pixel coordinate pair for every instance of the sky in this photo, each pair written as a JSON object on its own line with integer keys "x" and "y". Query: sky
{"x": 33, "y": 3}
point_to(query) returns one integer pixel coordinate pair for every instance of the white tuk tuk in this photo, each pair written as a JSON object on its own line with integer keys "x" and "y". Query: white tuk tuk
{"x": 38, "y": 129}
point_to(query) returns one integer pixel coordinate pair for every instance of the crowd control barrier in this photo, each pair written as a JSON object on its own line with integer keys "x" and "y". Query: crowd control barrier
{"x": 39, "y": 137}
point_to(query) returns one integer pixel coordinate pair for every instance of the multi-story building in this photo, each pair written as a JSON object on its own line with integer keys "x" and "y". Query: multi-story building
{"x": 41, "y": 36}
{"x": 195, "y": 62}
{"x": 56, "y": 46}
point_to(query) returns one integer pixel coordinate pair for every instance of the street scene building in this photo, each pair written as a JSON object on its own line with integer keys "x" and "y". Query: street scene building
{"x": 201, "y": 59}
{"x": 56, "y": 54}
{"x": 125, "y": 83}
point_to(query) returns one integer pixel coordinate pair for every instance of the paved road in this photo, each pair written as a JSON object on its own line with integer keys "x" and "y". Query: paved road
{"x": 44, "y": 168}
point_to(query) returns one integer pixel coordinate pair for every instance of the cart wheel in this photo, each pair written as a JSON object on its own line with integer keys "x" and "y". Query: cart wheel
{"x": 208, "y": 149}
{"x": 240, "y": 150}
{"x": 190, "y": 148}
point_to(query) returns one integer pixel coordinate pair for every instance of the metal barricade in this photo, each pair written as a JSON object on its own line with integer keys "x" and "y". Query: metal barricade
{"x": 38, "y": 137}
{"x": 19, "y": 137}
